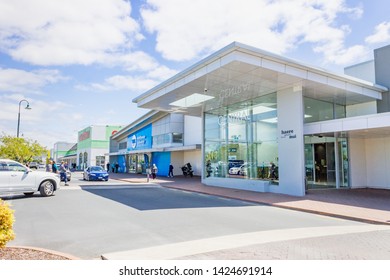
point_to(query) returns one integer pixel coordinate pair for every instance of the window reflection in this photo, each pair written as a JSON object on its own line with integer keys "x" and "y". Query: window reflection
{"x": 241, "y": 140}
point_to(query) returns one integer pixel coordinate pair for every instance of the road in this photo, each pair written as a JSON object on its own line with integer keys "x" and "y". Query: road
{"x": 122, "y": 220}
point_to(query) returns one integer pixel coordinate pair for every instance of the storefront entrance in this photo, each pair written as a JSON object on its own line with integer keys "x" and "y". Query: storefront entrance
{"x": 137, "y": 163}
{"x": 326, "y": 162}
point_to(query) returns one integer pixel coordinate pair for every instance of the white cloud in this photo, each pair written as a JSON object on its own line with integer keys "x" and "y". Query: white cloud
{"x": 120, "y": 82}
{"x": 381, "y": 34}
{"x": 186, "y": 29}
{"x": 21, "y": 81}
{"x": 60, "y": 32}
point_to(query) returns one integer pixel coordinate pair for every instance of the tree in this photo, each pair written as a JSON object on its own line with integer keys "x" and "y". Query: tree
{"x": 20, "y": 149}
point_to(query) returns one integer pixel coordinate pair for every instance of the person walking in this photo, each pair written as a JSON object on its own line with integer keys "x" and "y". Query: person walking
{"x": 108, "y": 167}
{"x": 154, "y": 171}
{"x": 63, "y": 173}
{"x": 170, "y": 173}
{"x": 116, "y": 167}
{"x": 54, "y": 167}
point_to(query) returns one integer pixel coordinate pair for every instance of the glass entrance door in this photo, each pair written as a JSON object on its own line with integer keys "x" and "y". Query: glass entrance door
{"x": 326, "y": 162}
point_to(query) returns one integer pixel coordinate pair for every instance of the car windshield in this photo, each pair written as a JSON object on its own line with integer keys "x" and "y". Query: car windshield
{"x": 96, "y": 168}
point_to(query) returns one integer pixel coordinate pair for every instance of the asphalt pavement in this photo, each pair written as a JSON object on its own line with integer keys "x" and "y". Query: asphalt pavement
{"x": 368, "y": 240}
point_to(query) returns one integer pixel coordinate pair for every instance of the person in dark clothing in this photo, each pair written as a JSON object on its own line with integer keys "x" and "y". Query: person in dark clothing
{"x": 54, "y": 167}
{"x": 108, "y": 167}
{"x": 170, "y": 173}
{"x": 116, "y": 167}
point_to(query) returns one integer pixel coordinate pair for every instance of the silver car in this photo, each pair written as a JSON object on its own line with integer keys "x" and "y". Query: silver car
{"x": 15, "y": 177}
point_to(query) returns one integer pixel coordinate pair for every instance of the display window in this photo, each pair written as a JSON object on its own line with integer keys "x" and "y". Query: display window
{"x": 241, "y": 140}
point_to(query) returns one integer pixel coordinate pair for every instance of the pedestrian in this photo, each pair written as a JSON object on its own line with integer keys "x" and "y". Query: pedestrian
{"x": 108, "y": 167}
{"x": 49, "y": 166}
{"x": 116, "y": 167}
{"x": 54, "y": 166}
{"x": 170, "y": 173}
{"x": 63, "y": 173}
{"x": 154, "y": 171}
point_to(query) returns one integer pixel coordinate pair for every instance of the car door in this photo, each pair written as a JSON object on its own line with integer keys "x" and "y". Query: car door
{"x": 21, "y": 178}
{"x": 4, "y": 177}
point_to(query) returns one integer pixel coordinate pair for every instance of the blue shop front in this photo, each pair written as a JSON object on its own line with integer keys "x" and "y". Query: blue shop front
{"x": 141, "y": 155}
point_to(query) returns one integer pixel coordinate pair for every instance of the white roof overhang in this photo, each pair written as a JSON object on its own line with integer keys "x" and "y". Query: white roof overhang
{"x": 366, "y": 126}
{"x": 239, "y": 72}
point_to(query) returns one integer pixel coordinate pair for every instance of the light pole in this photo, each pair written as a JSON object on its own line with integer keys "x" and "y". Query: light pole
{"x": 28, "y": 108}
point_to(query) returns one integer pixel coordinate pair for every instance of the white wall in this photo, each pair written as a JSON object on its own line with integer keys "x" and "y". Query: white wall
{"x": 365, "y": 71}
{"x": 98, "y": 132}
{"x": 291, "y": 150}
{"x": 177, "y": 160}
{"x": 195, "y": 158}
{"x": 370, "y": 162}
{"x": 357, "y": 163}
{"x": 378, "y": 162}
{"x": 192, "y": 130}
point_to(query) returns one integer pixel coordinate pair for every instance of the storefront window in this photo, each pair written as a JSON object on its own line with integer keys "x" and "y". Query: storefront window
{"x": 100, "y": 161}
{"x": 85, "y": 159}
{"x": 241, "y": 140}
{"x": 317, "y": 110}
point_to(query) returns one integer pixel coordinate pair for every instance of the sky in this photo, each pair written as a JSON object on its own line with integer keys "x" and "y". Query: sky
{"x": 81, "y": 62}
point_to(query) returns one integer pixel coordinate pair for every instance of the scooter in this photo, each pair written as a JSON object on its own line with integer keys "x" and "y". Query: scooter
{"x": 187, "y": 170}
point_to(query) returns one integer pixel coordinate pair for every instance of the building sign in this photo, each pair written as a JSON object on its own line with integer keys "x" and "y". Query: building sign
{"x": 140, "y": 140}
{"x": 289, "y": 134}
{"x": 84, "y": 135}
{"x": 234, "y": 90}
{"x": 234, "y": 118}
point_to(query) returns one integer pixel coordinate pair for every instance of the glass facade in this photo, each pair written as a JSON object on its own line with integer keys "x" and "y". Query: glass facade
{"x": 241, "y": 140}
{"x": 317, "y": 110}
{"x": 326, "y": 162}
{"x": 167, "y": 138}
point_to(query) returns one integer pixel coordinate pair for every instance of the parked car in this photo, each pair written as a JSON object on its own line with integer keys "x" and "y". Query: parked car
{"x": 37, "y": 166}
{"x": 15, "y": 177}
{"x": 242, "y": 169}
{"x": 235, "y": 170}
{"x": 95, "y": 173}
{"x": 68, "y": 173}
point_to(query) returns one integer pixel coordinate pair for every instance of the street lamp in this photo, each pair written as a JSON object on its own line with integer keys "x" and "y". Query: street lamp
{"x": 28, "y": 108}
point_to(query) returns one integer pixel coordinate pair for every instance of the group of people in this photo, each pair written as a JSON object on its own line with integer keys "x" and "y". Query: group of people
{"x": 62, "y": 168}
{"x": 115, "y": 167}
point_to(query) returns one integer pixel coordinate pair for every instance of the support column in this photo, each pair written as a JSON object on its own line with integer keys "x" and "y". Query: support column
{"x": 291, "y": 141}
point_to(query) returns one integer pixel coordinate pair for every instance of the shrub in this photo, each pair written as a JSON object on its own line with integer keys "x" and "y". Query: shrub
{"x": 6, "y": 222}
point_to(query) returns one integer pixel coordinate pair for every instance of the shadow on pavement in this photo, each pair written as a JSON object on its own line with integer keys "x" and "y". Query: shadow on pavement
{"x": 156, "y": 198}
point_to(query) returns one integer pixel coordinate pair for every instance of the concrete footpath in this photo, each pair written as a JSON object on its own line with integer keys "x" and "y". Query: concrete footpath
{"x": 366, "y": 205}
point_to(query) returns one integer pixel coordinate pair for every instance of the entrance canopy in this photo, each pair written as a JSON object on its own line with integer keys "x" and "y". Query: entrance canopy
{"x": 239, "y": 72}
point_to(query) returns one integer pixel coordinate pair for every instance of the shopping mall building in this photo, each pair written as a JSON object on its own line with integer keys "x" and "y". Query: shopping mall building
{"x": 272, "y": 124}
{"x": 159, "y": 138}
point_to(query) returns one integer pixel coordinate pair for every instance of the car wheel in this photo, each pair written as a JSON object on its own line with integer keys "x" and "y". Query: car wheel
{"x": 46, "y": 188}
{"x": 28, "y": 193}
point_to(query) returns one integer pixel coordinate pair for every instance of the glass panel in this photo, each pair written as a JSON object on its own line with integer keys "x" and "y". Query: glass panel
{"x": 343, "y": 162}
{"x": 317, "y": 110}
{"x": 132, "y": 163}
{"x": 330, "y": 164}
{"x": 320, "y": 162}
{"x": 241, "y": 140}
{"x": 309, "y": 162}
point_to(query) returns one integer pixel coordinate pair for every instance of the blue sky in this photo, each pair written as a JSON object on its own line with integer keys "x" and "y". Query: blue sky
{"x": 81, "y": 62}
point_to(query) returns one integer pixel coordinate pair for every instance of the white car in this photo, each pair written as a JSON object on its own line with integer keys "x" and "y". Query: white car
{"x": 15, "y": 177}
{"x": 235, "y": 170}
